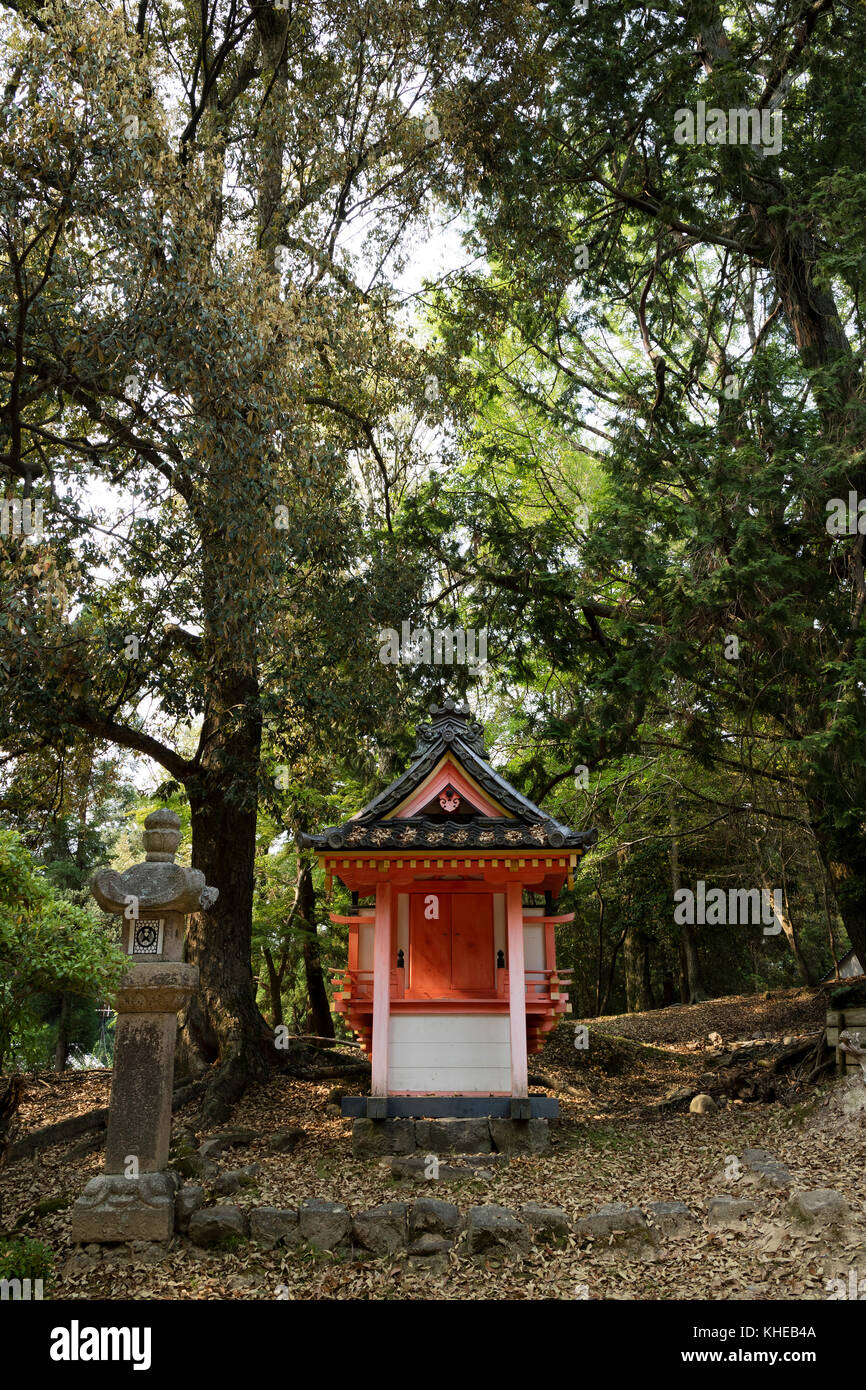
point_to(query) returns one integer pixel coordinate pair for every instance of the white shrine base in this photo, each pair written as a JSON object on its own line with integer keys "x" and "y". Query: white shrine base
{"x": 449, "y": 1053}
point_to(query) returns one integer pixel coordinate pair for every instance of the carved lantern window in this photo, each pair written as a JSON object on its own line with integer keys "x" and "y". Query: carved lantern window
{"x": 145, "y": 939}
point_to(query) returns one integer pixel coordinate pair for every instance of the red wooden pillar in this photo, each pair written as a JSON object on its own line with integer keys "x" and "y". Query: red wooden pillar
{"x": 381, "y": 990}
{"x": 516, "y": 990}
{"x": 549, "y": 946}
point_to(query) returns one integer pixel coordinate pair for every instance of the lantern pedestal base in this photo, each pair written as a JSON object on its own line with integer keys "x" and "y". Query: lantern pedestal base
{"x": 114, "y": 1208}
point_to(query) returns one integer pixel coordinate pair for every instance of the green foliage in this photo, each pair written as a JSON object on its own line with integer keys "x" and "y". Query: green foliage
{"x": 583, "y": 485}
{"x": 46, "y": 944}
{"x": 25, "y": 1259}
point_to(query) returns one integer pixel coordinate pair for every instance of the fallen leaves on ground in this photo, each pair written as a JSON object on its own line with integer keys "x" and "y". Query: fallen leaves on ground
{"x": 606, "y": 1148}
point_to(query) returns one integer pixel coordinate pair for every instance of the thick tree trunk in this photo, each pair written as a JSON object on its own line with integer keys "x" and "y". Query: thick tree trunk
{"x": 222, "y": 1022}
{"x": 638, "y": 987}
{"x": 692, "y": 964}
{"x": 844, "y": 859}
{"x": 319, "y": 1020}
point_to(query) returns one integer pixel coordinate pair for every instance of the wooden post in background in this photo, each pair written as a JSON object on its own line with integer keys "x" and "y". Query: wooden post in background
{"x": 516, "y": 991}
{"x": 381, "y": 990}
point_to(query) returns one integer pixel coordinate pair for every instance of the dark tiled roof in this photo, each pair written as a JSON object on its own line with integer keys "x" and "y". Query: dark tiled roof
{"x": 419, "y": 832}
{"x": 451, "y": 730}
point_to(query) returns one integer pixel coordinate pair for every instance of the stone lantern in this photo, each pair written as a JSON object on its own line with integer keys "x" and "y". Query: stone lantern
{"x": 134, "y": 1198}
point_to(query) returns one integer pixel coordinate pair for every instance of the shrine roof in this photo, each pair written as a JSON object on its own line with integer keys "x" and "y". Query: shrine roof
{"x": 451, "y": 738}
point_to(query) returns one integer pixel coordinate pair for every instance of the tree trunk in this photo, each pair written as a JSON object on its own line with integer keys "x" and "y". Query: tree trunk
{"x": 222, "y": 1021}
{"x": 828, "y": 915}
{"x": 319, "y": 1020}
{"x": 612, "y": 967}
{"x": 601, "y": 908}
{"x": 638, "y": 987}
{"x": 692, "y": 989}
{"x": 275, "y": 986}
{"x": 844, "y": 859}
{"x": 788, "y": 928}
{"x": 61, "y": 1050}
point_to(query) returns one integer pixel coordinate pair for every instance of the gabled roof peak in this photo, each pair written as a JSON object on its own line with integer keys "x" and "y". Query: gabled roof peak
{"x": 453, "y": 735}
{"x": 448, "y": 722}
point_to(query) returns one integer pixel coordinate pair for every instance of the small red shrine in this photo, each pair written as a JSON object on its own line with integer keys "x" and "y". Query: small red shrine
{"x": 452, "y": 978}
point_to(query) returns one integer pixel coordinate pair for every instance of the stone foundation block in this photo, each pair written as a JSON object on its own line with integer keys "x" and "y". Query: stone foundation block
{"x": 382, "y": 1138}
{"x": 115, "y": 1208}
{"x": 454, "y": 1136}
{"x": 520, "y": 1136}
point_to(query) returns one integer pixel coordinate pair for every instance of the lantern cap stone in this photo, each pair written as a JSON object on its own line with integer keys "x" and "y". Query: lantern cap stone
{"x": 162, "y": 836}
{"x": 158, "y": 884}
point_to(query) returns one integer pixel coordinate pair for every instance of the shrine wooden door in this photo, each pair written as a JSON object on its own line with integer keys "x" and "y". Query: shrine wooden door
{"x": 430, "y": 945}
{"x": 451, "y": 945}
{"x": 472, "y": 957}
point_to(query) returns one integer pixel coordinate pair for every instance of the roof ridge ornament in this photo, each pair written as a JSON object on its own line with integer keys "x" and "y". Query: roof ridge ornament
{"x": 450, "y": 721}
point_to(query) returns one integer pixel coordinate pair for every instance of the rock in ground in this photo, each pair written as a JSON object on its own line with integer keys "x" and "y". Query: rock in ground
{"x": 620, "y": 1231}
{"x": 217, "y": 1225}
{"x": 324, "y": 1224}
{"x": 231, "y": 1182}
{"x": 493, "y": 1229}
{"x": 548, "y": 1224}
{"x": 671, "y": 1218}
{"x": 285, "y": 1140}
{"x": 769, "y": 1171}
{"x": 212, "y": 1149}
{"x": 270, "y": 1226}
{"x": 820, "y": 1207}
{"x": 382, "y": 1229}
{"x": 430, "y": 1216}
{"x": 187, "y": 1201}
{"x": 728, "y": 1212}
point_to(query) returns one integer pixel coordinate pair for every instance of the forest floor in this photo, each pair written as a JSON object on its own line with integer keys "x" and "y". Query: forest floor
{"x": 617, "y": 1141}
